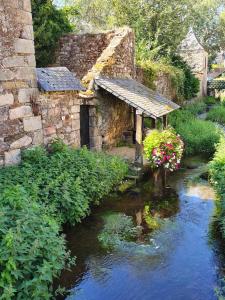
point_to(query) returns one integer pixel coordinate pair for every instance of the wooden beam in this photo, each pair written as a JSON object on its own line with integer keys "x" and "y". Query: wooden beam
{"x": 165, "y": 121}
{"x": 139, "y": 138}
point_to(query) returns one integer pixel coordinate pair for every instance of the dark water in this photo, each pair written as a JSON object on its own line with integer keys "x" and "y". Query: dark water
{"x": 174, "y": 262}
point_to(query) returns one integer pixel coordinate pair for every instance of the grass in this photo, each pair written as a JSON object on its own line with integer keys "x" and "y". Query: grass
{"x": 217, "y": 114}
{"x": 199, "y": 136}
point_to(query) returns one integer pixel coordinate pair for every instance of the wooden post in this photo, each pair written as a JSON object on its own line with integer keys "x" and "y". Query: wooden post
{"x": 165, "y": 122}
{"x": 139, "y": 135}
{"x": 154, "y": 123}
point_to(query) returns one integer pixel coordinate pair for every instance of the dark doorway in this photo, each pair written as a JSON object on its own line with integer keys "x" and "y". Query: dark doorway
{"x": 84, "y": 126}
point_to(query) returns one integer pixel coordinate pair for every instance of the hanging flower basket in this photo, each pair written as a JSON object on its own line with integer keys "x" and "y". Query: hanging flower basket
{"x": 164, "y": 149}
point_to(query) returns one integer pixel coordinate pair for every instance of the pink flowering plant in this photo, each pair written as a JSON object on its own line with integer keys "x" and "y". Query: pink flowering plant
{"x": 164, "y": 149}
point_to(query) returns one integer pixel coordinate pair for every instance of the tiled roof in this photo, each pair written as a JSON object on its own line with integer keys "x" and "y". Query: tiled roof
{"x": 138, "y": 96}
{"x": 57, "y": 79}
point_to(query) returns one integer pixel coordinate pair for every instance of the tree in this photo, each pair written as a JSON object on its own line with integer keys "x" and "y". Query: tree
{"x": 160, "y": 25}
{"x": 50, "y": 24}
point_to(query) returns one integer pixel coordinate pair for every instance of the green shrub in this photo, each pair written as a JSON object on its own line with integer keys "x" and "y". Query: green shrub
{"x": 209, "y": 100}
{"x": 44, "y": 191}
{"x": 32, "y": 251}
{"x": 217, "y": 114}
{"x": 67, "y": 181}
{"x": 217, "y": 172}
{"x": 199, "y": 136}
{"x": 196, "y": 108}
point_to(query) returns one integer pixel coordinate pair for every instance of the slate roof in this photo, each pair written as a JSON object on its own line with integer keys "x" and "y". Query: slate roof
{"x": 190, "y": 42}
{"x": 215, "y": 74}
{"x": 57, "y": 79}
{"x": 138, "y": 96}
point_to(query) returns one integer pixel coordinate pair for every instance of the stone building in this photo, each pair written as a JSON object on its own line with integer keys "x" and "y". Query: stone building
{"x": 19, "y": 127}
{"x": 111, "y": 104}
{"x": 197, "y": 58}
{"x": 120, "y": 101}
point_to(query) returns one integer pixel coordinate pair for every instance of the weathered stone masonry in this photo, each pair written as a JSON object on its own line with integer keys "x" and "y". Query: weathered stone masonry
{"x": 19, "y": 127}
{"x": 60, "y": 112}
{"x": 115, "y": 49}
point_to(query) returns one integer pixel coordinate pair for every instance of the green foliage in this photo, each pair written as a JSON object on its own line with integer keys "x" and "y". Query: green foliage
{"x": 196, "y": 108}
{"x": 68, "y": 181}
{"x": 178, "y": 73}
{"x": 209, "y": 100}
{"x": 217, "y": 114}
{"x": 44, "y": 191}
{"x": 199, "y": 136}
{"x": 50, "y": 24}
{"x": 217, "y": 173}
{"x": 190, "y": 82}
{"x": 32, "y": 251}
{"x": 117, "y": 228}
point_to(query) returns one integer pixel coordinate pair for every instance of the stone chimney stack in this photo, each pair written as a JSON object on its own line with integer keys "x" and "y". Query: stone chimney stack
{"x": 19, "y": 126}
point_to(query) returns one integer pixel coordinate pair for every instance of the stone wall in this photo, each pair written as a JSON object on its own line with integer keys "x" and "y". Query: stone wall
{"x": 162, "y": 84}
{"x": 19, "y": 127}
{"x": 80, "y": 52}
{"x": 115, "y": 118}
{"x": 60, "y": 113}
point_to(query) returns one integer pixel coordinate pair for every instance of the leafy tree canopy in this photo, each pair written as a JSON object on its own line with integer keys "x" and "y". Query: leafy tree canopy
{"x": 50, "y": 24}
{"x": 160, "y": 25}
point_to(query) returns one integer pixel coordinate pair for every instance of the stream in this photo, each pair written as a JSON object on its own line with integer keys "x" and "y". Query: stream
{"x": 176, "y": 261}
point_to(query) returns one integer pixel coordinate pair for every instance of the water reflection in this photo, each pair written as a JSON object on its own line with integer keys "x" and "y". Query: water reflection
{"x": 173, "y": 262}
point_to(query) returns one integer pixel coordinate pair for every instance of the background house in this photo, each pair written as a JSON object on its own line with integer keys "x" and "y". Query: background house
{"x": 196, "y": 57}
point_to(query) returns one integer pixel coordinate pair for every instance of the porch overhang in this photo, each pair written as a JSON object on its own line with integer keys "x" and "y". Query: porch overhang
{"x": 143, "y": 99}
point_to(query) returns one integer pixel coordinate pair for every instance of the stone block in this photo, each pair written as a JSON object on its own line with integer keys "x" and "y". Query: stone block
{"x": 6, "y": 75}
{"x": 26, "y": 95}
{"x": 38, "y": 138}
{"x": 75, "y": 124}
{"x": 27, "y": 32}
{"x": 23, "y": 17}
{"x": 3, "y": 147}
{"x": 26, "y": 73}
{"x": 23, "y": 46}
{"x": 13, "y": 61}
{"x": 94, "y": 131}
{"x": 6, "y": 99}
{"x": 10, "y": 128}
{"x": 49, "y": 130}
{"x": 75, "y": 109}
{"x": 12, "y": 157}
{"x": 27, "y": 5}
{"x": 20, "y": 112}
{"x": 32, "y": 123}
{"x": 23, "y": 142}
{"x": 11, "y": 3}
{"x": 4, "y": 113}
{"x": 31, "y": 60}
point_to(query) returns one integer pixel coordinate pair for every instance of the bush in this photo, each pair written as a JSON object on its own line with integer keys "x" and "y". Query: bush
{"x": 178, "y": 73}
{"x": 196, "y": 108}
{"x": 32, "y": 251}
{"x": 44, "y": 191}
{"x": 200, "y": 137}
{"x": 163, "y": 148}
{"x": 217, "y": 172}
{"x": 217, "y": 114}
{"x": 209, "y": 100}
{"x": 68, "y": 180}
